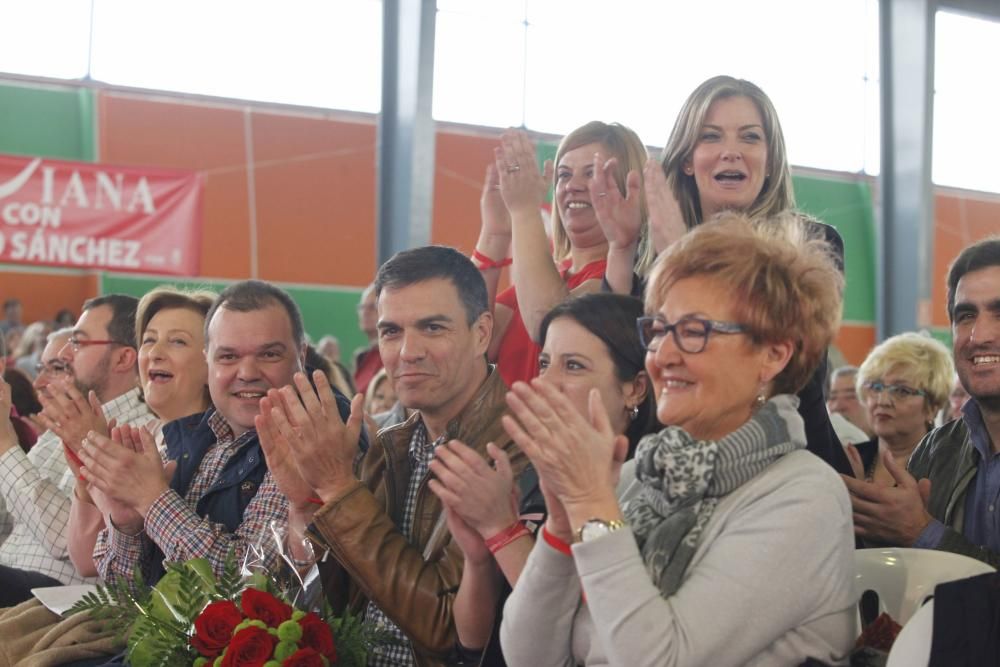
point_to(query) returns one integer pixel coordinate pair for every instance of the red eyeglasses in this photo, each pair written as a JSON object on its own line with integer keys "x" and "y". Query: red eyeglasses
{"x": 76, "y": 343}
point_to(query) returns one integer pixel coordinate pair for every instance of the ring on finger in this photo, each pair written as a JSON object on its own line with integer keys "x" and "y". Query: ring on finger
{"x": 602, "y": 194}
{"x": 511, "y": 168}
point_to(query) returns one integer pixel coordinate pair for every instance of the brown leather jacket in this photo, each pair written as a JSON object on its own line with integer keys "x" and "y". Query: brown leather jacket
{"x": 414, "y": 584}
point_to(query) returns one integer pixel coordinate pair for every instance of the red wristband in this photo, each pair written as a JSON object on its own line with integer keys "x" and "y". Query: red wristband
{"x": 555, "y": 542}
{"x": 315, "y": 501}
{"x": 73, "y": 456}
{"x": 515, "y": 531}
{"x": 483, "y": 262}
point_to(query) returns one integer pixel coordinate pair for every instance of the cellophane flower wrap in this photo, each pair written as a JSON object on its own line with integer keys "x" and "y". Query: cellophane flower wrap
{"x": 248, "y": 616}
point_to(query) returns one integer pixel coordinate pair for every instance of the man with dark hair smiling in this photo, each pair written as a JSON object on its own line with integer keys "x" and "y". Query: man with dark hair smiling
{"x": 221, "y": 497}
{"x": 392, "y": 554}
{"x": 948, "y": 499}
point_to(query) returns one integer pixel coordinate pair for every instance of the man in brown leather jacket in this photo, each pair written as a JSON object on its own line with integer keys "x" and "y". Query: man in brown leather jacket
{"x": 391, "y": 554}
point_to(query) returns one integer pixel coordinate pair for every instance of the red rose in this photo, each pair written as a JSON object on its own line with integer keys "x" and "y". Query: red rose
{"x": 262, "y": 606}
{"x": 316, "y": 634}
{"x": 251, "y": 647}
{"x": 304, "y": 657}
{"x": 214, "y": 627}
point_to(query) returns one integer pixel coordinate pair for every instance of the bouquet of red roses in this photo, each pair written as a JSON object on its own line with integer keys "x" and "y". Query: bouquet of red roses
{"x": 191, "y": 618}
{"x": 261, "y": 631}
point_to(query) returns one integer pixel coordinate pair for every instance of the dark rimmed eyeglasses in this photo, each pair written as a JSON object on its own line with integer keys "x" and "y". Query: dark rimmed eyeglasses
{"x": 690, "y": 333}
{"x": 894, "y": 390}
{"x": 53, "y": 367}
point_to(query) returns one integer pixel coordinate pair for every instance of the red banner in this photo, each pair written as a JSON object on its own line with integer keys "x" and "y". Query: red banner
{"x": 85, "y": 215}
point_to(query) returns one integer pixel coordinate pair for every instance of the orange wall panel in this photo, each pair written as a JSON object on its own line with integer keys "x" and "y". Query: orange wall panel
{"x": 855, "y": 342}
{"x": 959, "y": 221}
{"x": 460, "y": 168}
{"x": 45, "y": 294}
{"x": 315, "y": 198}
{"x": 186, "y": 135}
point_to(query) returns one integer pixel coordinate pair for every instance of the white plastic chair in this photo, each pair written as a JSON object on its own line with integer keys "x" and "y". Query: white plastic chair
{"x": 904, "y": 579}
{"x": 912, "y": 647}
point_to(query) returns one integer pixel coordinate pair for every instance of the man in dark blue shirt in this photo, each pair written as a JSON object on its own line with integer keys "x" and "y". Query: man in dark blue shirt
{"x": 949, "y": 496}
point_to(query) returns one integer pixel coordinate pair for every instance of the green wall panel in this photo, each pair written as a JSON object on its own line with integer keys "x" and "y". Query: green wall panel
{"x": 546, "y": 151}
{"x": 847, "y": 205}
{"x": 943, "y": 335}
{"x": 325, "y": 310}
{"x": 50, "y": 122}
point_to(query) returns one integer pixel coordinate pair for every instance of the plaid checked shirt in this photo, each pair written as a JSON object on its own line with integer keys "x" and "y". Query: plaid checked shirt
{"x": 37, "y": 490}
{"x": 421, "y": 454}
{"x": 181, "y": 534}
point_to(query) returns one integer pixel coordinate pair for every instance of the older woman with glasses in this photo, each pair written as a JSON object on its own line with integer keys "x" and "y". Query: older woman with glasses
{"x": 725, "y": 542}
{"x": 50, "y": 367}
{"x": 903, "y": 383}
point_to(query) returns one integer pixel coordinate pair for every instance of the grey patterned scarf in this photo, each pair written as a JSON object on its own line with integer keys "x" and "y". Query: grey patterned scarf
{"x": 683, "y": 479}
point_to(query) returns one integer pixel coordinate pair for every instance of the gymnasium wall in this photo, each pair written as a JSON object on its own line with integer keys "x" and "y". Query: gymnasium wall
{"x": 290, "y": 198}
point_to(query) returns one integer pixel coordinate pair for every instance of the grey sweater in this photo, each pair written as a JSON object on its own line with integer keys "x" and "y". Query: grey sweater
{"x": 771, "y": 583}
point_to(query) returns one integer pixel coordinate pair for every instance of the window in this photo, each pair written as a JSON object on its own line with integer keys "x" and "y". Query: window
{"x": 45, "y": 38}
{"x": 966, "y": 99}
{"x": 307, "y": 52}
{"x": 636, "y": 61}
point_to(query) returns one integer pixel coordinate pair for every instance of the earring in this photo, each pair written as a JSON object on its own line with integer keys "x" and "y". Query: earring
{"x": 633, "y": 414}
{"x": 761, "y": 399}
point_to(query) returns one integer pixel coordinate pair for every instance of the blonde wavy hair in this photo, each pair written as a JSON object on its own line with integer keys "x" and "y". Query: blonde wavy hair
{"x": 776, "y": 195}
{"x": 783, "y": 279}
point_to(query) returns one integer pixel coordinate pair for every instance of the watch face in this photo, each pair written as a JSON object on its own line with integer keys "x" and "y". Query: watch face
{"x": 593, "y": 529}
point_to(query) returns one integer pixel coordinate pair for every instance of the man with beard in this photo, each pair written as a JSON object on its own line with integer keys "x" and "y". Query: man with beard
{"x": 947, "y": 498}
{"x": 36, "y": 486}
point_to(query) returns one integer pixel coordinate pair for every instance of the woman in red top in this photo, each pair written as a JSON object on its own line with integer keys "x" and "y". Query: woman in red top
{"x": 511, "y": 205}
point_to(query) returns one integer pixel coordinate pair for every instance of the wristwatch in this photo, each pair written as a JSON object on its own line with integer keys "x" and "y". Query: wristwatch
{"x": 594, "y": 528}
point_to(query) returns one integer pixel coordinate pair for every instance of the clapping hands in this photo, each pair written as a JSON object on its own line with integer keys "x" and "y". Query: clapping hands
{"x": 522, "y": 186}
{"x": 309, "y": 448}
{"x": 126, "y": 471}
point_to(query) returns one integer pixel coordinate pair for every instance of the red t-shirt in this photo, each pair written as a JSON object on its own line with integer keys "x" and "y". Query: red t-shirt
{"x": 368, "y": 363}
{"x": 517, "y": 358}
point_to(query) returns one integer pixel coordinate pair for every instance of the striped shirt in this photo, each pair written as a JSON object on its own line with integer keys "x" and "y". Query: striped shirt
{"x": 37, "y": 490}
{"x": 181, "y": 534}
